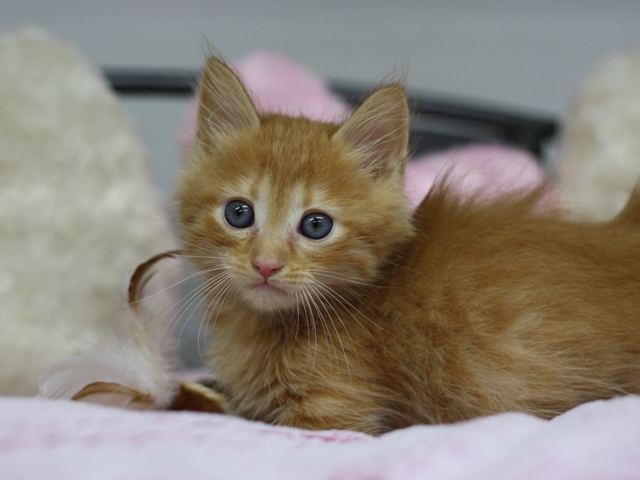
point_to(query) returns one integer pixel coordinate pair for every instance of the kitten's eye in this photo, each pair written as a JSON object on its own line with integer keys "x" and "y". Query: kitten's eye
{"x": 239, "y": 214}
{"x": 316, "y": 225}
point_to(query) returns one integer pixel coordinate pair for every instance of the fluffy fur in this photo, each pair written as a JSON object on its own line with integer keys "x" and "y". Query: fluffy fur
{"x": 78, "y": 209}
{"x": 465, "y": 309}
{"x": 276, "y": 84}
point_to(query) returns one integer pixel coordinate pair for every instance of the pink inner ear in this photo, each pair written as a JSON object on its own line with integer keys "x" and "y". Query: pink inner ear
{"x": 224, "y": 104}
{"x": 379, "y": 130}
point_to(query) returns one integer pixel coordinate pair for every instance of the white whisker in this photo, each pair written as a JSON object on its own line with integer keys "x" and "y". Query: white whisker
{"x": 325, "y": 327}
{"x": 343, "y": 301}
{"x": 192, "y": 298}
{"x": 182, "y": 280}
{"x": 324, "y": 304}
{"x": 313, "y": 325}
{"x": 226, "y": 283}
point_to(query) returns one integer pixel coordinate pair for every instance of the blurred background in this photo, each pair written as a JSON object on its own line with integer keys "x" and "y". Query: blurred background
{"x": 527, "y": 57}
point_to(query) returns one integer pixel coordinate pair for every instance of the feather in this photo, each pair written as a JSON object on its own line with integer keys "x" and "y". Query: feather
{"x": 128, "y": 369}
{"x": 142, "y": 276}
{"x": 115, "y": 395}
{"x": 130, "y": 361}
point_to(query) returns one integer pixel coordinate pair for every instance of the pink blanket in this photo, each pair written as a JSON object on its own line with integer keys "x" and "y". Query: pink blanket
{"x": 45, "y": 439}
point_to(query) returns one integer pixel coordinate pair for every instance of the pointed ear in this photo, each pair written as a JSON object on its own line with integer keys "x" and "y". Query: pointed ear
{"x": 379, "y": 129}
{"x": 224, "y": 105}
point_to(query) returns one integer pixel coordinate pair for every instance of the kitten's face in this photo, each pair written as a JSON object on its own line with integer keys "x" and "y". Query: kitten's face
{"x": 284, "y": 212}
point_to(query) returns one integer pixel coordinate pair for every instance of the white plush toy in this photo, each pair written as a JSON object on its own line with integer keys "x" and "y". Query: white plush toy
{"x": 599, "y": 154}
{"x": 78, "y": 210}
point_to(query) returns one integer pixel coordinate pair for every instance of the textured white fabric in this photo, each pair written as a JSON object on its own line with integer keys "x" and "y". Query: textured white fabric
{"x": 599, "y": 155}
{"x": 78, "y": 209}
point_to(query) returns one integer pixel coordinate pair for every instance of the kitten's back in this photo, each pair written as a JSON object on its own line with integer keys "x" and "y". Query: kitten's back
{"x": 506, "y": 308}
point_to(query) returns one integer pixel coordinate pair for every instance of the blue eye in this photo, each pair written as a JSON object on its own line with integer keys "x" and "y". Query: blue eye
{"x": 239, "y": 214}
{"x": 316, "y": 225}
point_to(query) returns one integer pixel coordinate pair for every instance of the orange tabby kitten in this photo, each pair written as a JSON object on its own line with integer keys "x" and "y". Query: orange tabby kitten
{"x": 333, "y": 307}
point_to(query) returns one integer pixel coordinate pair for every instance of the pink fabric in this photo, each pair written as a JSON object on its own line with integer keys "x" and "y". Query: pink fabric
{"x": 65, "y": 440}
{"x": 482, "y": 170}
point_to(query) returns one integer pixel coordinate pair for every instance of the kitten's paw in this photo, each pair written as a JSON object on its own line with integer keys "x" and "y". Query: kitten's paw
{"x": 197, "y": 397}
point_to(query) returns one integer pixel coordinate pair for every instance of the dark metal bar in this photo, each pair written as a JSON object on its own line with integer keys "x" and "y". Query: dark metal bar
{"x": 159, "y": 82}
{"x": 439, "y": 123}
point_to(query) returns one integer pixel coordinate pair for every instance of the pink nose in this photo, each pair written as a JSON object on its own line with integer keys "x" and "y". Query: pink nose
{"x": 267, "y": 267}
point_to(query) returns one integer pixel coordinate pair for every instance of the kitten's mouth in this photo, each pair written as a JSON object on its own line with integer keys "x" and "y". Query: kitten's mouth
{"x": 268, "y": 297}
{"x": 268, "y": 287}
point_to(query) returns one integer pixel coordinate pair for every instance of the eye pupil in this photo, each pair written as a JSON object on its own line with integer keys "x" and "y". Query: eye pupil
{"x": 316, "y": 225}
{"x": 239, "y": 214}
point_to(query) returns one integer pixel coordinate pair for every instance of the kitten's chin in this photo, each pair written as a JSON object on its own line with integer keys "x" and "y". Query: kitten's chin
{"x": 268, "y": 298}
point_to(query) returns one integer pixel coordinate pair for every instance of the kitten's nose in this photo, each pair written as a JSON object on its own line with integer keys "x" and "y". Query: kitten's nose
{"x": 267, "y": 267}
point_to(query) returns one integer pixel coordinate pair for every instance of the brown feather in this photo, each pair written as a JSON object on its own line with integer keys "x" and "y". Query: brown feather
{"x": 141, "y": 277}
{"x": 114, "y": 395}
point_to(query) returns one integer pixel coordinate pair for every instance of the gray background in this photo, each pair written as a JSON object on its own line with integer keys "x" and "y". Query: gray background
{"x": 528, "y": 56}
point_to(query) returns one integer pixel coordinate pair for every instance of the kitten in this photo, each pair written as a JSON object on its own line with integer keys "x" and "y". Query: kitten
{"x": 333, "y": 307}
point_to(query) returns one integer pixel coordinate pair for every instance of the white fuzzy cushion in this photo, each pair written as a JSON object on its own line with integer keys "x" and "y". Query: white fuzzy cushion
{"x": 78, "y": 208}
{"x": 599, "y": 162}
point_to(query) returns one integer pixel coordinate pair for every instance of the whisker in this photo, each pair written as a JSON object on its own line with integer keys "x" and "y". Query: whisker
{"x": 171, "y": 322}
{"x": 219, "y": 299}
{"x": 313, "y": 325}
{"x": 320, "y": 272}
{"x": 325, "y": 328}
{"x": 209, "y": 283}
{"x": 344, "y": 302}
{"x": 200, "y": 247}
{"x": 200, "y": 299}
{"x": 182, "y": 280}
{"x": 324, "y": 304}
{"x": 192, "y": 298}
{"x": 358, "y": 294}
{"x": 208, "y": 257}
{"x": 297, "y": 320}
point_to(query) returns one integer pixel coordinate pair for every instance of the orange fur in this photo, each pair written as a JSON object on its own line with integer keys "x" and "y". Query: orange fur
{"x": 466, "y": 309}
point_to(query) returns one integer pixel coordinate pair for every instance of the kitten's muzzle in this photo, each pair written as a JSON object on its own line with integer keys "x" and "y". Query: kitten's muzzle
{"x": 267, "y": 268}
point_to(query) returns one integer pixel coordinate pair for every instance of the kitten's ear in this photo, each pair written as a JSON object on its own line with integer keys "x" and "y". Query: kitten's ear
{"x": 379, "y": 129}
{"x": 225, "y": 106}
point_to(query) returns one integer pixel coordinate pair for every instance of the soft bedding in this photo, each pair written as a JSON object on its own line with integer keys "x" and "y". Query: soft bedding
{"x": 65, "y": 440}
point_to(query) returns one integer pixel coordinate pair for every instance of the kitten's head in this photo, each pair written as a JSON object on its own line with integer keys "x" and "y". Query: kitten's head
{"x": 286, "y": 210}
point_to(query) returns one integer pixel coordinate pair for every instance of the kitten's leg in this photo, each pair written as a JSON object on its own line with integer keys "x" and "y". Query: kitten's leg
{"x": 325, "y": 412}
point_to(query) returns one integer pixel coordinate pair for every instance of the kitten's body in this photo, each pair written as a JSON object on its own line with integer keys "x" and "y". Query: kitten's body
{"x": 464, "y": 310}
{"x": 506, "y": 309}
